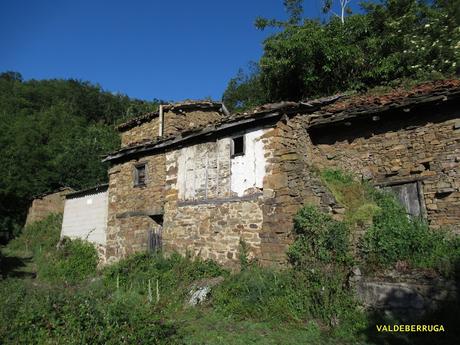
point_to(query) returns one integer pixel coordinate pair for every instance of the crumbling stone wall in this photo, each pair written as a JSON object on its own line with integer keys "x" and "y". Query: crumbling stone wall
{"x": 143, "y": 132}
{"x": 406, "y": 295}
{"x": 289, "y": 184}
{"x": 212, "y": 223}
{"x": 133, "y": 210}
{"x": 45, "y": 205}
{"x": 401, "y": 148}
{"x": 177, "y": 120}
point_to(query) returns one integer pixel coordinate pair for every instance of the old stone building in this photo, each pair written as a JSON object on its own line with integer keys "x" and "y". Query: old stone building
{"x": 45, "y": 204}
{"x": 204, "y": 180}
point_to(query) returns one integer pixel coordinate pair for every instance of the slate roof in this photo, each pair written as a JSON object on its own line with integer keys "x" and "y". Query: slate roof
{"x": 321, "y": 112}
{"x": 357, "y": 105}
{"x": 88, "y": 191}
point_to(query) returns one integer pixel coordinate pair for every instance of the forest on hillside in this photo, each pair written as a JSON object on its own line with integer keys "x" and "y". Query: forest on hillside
{"x": 53, "y": 134}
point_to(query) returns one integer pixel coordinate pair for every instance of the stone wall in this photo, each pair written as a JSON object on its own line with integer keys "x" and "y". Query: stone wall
{"x": 408, "y": 296}
{"x": 45, "y": 205}
{"x": 398, "y": 149}
{"x": 211, "y": 221}
{"x": 289, "y": 184}
{"x": 176, "y": 120}
{"x": 213, "y": 229}
{"x": 137, "y": 134}
{"x": 134, "y": 210}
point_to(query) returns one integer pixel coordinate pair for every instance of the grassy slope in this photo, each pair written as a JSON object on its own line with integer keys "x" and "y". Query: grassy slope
{"x": 51, "y": 296}
{"x": 43, "y": 305}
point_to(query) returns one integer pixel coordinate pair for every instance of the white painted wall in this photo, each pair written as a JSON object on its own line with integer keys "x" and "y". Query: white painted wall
{"x": 248, "y": 170}
{"x": 85, "y": 217}
{"x": 206, "y": 170}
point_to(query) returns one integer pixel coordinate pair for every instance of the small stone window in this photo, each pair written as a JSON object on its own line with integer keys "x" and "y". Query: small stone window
{"x": 140, "y": 175}
{"x": 238, "y": 146}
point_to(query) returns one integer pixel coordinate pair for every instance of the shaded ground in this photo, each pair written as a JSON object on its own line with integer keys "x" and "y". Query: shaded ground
{"x": 16, "y": 265}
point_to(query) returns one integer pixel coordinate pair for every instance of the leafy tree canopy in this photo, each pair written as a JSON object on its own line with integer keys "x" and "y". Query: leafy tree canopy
{"x": 53, "y": 134}
{"x": 390, "y": 41}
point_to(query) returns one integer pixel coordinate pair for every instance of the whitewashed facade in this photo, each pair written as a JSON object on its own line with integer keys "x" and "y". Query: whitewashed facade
{"x": 85, "y": 215}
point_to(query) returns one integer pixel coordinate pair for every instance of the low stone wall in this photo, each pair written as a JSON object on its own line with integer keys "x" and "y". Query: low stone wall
{"x": 213, "y": 229}
{"x": 45, "y": 205}
{"x": 408, "y": 296}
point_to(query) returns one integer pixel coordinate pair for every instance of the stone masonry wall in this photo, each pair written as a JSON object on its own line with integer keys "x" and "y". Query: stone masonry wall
{"x": 42, "y": 207}
{"x": 421, "y": 147}
{"x": 135, "y": 210}
{"x": 289, "y": 184}
{"x": 132, "y": 209}
{"x": 142, "y": 132}
{"x": 176, "y": 121}
{"x": 210, "y": 227}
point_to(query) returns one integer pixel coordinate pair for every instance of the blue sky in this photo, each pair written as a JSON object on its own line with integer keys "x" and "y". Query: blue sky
{"x": 171, "y": 50}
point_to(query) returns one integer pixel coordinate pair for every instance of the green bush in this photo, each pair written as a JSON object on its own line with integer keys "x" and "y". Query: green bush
{"x": 390, "y": 235}
{"x": 393, "y": 236}
{"x": 93, "y": 315}
{"x": 72, "y": 262}
{"x": 284, "y": 296}
{"x": 38, "y": 237}
{"x": 319, "y": 238}
{"x": 313, "y": 289}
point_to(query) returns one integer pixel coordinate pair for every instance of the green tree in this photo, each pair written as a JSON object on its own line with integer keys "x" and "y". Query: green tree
{"x": 390, "y": 42}
{"x": 52, "y": 134}
{"x": 245, "y": 90}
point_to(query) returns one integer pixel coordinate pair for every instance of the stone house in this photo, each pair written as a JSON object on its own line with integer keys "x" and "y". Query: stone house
{"x": 205, "y": 179}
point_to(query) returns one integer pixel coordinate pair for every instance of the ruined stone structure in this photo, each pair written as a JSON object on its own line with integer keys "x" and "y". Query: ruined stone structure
{"x": 136, "y": 208}
{"x": 45, "y": 204}
{"x": 207, "y": 180}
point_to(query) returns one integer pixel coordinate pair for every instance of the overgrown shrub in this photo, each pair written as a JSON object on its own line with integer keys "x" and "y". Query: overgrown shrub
{"x": 394, "y": 236}
{"x": 289, "y": 295}
{"x": 314, "y": 288}
{"x": 319, "y": 239}
{"x": 390, "y": 234}
{"x": 93, "y": 315}
{"x": 72, "y": 262}
{"x": 39, "y": 237}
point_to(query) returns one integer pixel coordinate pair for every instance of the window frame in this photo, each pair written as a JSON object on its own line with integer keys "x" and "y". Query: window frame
{"x": 136, "y": 169}
{"x": 232, "y": 146}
